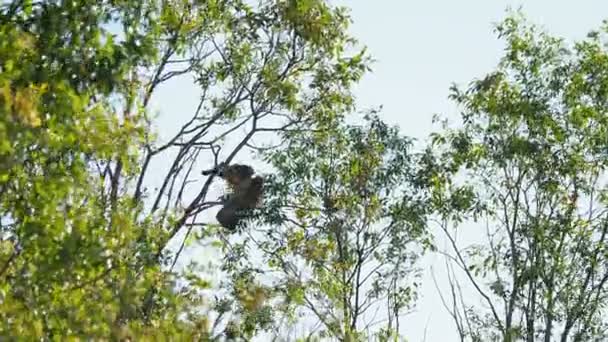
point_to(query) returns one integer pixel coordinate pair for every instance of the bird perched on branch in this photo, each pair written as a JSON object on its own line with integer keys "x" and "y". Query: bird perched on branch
{"x": 245, "y": 195}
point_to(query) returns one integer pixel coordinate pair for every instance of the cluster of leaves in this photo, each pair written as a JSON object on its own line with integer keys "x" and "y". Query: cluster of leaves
{"x": 530, "y": 162}
{"x": 344, "y": 226}
{"x": 72, "y": 258}
{"x": 268, "y": 71}
{"x": 84, "y": 236}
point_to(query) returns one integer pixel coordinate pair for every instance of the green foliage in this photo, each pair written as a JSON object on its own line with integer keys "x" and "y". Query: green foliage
{"x": 83, "y": 237}
{"x": 72, "y": 259}
{"x": 83, "y": 251}
{"x": 267, "y": 70}
{"x": 346, "y": 226}
{"x": 530, "y": 159}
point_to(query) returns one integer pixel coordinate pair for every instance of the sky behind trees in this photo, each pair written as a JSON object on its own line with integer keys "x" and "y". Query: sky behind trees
{"x": 420, "y": 48}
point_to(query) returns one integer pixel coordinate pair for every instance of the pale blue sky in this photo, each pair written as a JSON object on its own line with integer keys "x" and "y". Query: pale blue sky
{"x": 421, "y": 47}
